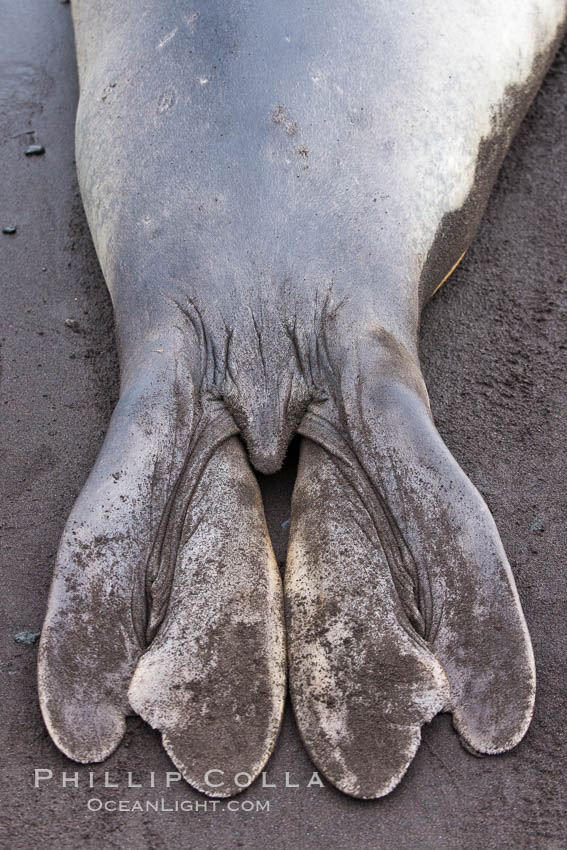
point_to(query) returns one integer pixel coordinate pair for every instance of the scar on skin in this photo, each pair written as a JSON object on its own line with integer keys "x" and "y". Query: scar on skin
{"x": 167, "y": 38}
{"x": 167, "y": 100}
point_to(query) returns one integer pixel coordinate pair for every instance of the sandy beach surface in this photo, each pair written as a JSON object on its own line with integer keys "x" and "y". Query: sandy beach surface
{"x": 494, "y": 348}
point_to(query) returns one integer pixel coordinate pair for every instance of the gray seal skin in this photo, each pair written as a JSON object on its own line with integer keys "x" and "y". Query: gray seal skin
{"x": 274, "y": 190}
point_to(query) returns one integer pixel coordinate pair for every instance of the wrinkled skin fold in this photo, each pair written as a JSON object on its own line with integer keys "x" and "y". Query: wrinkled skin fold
{"x": 272, "y": 201}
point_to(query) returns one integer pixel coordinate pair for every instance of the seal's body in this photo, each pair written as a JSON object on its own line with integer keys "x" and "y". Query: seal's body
{"x": 274, "y": 191}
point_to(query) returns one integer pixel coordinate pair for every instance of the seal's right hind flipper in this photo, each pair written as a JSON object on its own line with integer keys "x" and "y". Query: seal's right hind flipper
{"x": 400, "y": 600}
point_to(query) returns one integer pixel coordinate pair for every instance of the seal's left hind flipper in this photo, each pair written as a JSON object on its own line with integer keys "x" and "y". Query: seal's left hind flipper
{"x": 213, "y": 678}
{"x": 166, "y": 597}
{"x": 400, "y": 600}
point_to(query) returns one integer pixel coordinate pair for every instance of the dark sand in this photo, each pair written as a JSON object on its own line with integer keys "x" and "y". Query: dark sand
{"x": 494, "y": 347}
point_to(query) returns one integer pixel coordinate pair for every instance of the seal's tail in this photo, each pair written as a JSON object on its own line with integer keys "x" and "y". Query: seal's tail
{"x": 399, "y": 597}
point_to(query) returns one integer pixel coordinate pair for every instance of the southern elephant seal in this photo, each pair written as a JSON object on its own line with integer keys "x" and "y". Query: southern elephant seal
{"x": 274, "y": 191}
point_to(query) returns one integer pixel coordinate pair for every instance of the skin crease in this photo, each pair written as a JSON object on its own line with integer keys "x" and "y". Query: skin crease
{"x": 273, "y": 193}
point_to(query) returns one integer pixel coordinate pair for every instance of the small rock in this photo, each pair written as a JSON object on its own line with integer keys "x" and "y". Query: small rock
{"x": 34, "y": 150}
{"x": 538, "y": 527}
{"x": 9, "y": 228}
{"x": 286, "y": 523}
{"x": 72, "y": 324}
{"x": 28, "y": 638}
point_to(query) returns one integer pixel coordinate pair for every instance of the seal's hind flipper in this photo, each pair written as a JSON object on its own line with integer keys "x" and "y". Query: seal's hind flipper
{"x": 400, "y": 599}
{"x": 166, "y": 598}
{"x": 213, "y": 678}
